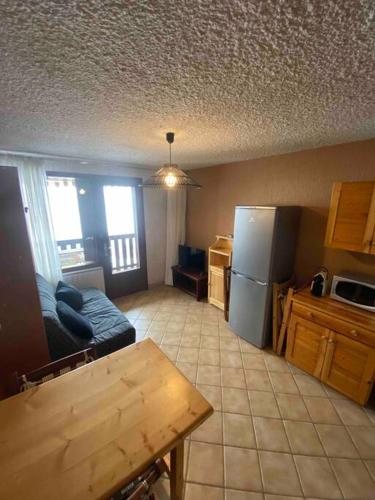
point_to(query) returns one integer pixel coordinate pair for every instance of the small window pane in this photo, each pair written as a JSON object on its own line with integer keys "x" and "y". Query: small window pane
{"x": 63, "y": 199}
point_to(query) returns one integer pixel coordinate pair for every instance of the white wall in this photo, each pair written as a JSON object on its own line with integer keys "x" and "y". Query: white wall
{"x": 155, "y": 205}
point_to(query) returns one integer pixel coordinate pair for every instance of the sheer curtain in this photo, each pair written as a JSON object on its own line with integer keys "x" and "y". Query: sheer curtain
{"x": 33, "y": 181}
{"x": 176, "y": 225}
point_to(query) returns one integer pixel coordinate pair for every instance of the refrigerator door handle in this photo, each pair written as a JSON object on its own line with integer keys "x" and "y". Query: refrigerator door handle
{"x": 262, "y": 283}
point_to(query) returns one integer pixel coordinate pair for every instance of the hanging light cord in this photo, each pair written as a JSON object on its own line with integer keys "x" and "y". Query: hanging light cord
{"x": 170, "y": 154}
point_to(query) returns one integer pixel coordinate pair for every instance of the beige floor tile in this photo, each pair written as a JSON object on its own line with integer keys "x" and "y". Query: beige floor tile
{"x": 158, "y": 325}
{"x": 156, "y": 336}
{"x": 351, "y": 413}
{"x": 233, "y": 377}
{"x": 249, "y": 348}
{"x": 188, "y": 354}
{"x": 171, "y": 339}
{"x": 189, "y": 340}
{"x": 142, "y": 324}
{"x": 317, "y": 477}
{"x": 263, "y": 404}
{"x": 279, "y": 474}
{"x": 170, "y": 351}
{"x": 196, "y": 491}
{"x": 162, "y": 489}
{"x": 364, "y": 440}
{"x": 206, "y": 464}
{"x": 209, "y": 357}
{"x": 242, "y": 495}
{"x": 213, "y": 395}
{"x": 276, "y": 363}
{"x": 175, "y": 326}
{"x": 253, "y": 361}
{"x": 235, "y": 400}
{"x": 230, "y": 359}
{"x": 332, "y": 394}
{"x": 229, "y": 344}
{"x": 192, "y": 329}
{"x": 162, "y": 316}
{"x": 225, "y": 332}
{"x": 210, "y": 330}
{"x": 370, "y": 464}
{"x": 270, "y": 434}
{"x": 370, "y": 412}
{"x": 211, "y": 431}
{"x": 309, "y": 386}
{"x": 242, "y": 469}
{"x": 209, "y": 342}
{"x": 292, "y": 407}
{"x": 209, "y": 375}
{"x": 189, "y": 370}
{"x": 283, "y": 383}
{"x": 303, "y": 438}
{"x": 354, "y": 479}
{"x": 258, "y": 380}
{"x": 336, "y": 441}
{"x": 238, "y": 430}
{"x": 282, "y": 497}
{"x": 321, "y": 410}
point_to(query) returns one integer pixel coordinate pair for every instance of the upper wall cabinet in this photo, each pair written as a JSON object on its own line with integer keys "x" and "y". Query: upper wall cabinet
{"x": 351, "y": 219}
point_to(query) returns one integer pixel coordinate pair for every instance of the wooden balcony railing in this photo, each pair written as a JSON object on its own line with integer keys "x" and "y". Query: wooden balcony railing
{"x": 124, "y": 252}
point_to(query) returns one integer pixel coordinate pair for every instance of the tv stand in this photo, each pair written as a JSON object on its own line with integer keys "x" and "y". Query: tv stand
{"x": 191, "y": 281}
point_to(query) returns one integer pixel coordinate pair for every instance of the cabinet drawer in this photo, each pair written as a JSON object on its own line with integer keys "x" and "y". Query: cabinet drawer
{"x": 349, "y": 329}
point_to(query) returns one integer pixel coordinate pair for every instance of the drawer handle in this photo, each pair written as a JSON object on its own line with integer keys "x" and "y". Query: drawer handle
{"x": 354, "y": 333}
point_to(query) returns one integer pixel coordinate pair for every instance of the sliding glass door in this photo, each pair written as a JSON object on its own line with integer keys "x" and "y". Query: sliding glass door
{"x": 99, "y": 220}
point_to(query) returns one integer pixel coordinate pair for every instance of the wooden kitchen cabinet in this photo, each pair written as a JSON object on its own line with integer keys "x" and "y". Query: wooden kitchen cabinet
{"x": 307, "y": 342}
{"x": 351, "y": 219}
{"x": 219, "y": 256}
{"x": 334, "y": 342}
{"x": 348, "y": 367}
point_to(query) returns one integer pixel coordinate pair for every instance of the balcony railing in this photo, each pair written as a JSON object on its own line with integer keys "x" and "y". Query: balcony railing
{"x": 123, "y": 251}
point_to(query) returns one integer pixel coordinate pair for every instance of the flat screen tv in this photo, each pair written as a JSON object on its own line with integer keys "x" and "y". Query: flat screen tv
{"x": 194, "y": 258}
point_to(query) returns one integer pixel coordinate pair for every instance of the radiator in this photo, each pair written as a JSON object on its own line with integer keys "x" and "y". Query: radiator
{"x": 86, "y": 278}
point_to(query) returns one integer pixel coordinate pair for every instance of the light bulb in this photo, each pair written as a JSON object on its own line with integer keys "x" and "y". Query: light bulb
{"x": 170, "y": 180}
{"x": 82, "y": 191}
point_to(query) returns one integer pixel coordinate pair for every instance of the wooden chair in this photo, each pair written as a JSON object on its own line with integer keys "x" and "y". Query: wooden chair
{"x": 52, "y": 370}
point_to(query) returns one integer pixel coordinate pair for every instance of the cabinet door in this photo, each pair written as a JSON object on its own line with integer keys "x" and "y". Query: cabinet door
{"x": 306, "y": 345}
{"x": 351, "y": 219}
{"x": 349, "y": 367}
{"x": 216, "y": 287}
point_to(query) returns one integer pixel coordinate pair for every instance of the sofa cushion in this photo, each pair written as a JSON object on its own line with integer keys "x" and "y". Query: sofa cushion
{"x": 70, "y": 295}
{"x": 75, "y": 322}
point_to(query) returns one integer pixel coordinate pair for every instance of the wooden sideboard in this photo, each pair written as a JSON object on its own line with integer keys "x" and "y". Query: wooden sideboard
{"x": 333, "y": 342}
{"x": 219, "y": 256}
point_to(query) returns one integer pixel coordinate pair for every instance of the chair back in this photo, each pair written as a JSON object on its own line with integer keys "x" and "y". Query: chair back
{"x": 52, "y": 370}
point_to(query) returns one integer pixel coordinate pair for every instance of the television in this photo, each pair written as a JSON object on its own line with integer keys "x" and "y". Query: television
{"x": 190, "y": 257}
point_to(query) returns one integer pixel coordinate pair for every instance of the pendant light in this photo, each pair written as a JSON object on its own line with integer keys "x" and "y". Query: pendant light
{"x": 170, "y": 176}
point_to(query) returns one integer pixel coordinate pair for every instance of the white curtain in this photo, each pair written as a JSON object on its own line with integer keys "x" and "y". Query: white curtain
{"x": 33, "y": 181}
{"x": 176, "y": 225}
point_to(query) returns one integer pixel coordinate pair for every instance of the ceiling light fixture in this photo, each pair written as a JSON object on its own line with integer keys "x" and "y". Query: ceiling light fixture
{"x": 170, "y": 176}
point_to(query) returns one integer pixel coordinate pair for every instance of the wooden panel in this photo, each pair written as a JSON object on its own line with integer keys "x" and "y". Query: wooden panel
{"x": 90, "y": 431}
{"x": 23, "y": 345}
{"x": 306, "y": 345}
{"x": 351, "y": 220}
{"x": 216, "y": 288}
{"x": 349, "y": 329}
{"x": 349, "y": 367}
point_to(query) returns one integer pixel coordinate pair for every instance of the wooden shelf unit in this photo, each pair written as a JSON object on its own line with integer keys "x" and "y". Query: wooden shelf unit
{"x": 219, "y": 256}
{"x": 334, "y": 342}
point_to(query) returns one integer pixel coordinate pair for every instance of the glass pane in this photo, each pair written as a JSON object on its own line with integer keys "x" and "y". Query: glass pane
{"x": 122, "y": 227}
{"x": 63, "y": 200}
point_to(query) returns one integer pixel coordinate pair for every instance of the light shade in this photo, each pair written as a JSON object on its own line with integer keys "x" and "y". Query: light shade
{"x": 171, "y": 177}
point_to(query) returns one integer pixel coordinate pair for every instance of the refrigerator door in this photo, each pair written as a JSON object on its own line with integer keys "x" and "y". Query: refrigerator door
{"x": 249, "y": 309}
{"x": 253, "y": 241}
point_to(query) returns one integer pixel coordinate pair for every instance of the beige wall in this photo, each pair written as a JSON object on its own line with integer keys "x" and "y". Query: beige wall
{"x": 304, "y": 178}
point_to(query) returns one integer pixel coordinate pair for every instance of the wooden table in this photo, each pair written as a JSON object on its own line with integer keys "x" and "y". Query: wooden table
{"x": 89, "y": 432}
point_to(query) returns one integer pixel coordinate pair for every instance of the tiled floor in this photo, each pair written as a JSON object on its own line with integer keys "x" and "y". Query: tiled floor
{"x": 276, "y": 433}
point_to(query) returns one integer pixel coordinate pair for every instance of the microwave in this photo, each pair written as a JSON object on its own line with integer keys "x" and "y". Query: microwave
{"x": 355, "y": 291}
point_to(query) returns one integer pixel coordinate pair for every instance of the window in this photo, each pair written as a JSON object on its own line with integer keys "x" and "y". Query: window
{"x": 63, "y": 200}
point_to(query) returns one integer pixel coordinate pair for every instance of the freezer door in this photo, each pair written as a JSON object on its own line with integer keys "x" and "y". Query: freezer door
{"x": 253, "y": 240}
{"x": 249, "y": 309}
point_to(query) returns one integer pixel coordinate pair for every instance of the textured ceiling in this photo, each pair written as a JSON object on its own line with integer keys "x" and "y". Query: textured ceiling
{"x": 235, "y": 79}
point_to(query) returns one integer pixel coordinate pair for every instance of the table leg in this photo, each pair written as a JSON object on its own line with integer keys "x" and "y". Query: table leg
{"x": 177, "y": 471}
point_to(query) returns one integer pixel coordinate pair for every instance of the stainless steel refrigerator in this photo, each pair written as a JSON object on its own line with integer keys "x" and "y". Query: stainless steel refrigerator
{"x": 263, "y": 252}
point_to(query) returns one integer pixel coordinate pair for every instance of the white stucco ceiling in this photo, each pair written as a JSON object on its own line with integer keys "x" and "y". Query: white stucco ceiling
{"x": 235, "y": 79}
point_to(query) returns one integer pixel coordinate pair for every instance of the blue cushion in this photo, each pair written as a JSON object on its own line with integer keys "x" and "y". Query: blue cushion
{"x": 74, "y": 321}
{"x": 70, "y": 295}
